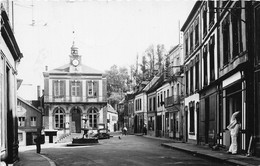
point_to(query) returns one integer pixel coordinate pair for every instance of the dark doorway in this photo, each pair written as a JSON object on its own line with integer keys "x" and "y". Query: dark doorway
{"x": 75, "y": 114}
{"x": 135, "y": 124}
{"x": 207, "y": 120}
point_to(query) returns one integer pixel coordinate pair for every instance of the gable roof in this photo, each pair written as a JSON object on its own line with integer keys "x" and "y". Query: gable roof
{"x": 66, "y": 69}
{"x": 111, "y": 109}
{"x": 27, "y": 103}
{"x": 157, "y": 84}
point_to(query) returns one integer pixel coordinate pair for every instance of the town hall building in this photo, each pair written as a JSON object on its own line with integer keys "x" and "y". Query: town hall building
{"x": 74, "y": 98}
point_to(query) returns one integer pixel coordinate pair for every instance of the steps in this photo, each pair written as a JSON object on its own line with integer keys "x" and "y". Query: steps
{"x": 68, "y": 137}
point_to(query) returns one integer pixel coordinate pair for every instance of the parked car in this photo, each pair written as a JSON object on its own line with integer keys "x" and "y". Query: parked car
{"x": 102, "y": 134}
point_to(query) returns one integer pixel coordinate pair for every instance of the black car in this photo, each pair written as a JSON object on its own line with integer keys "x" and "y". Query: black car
{"x": 102, "y": 134}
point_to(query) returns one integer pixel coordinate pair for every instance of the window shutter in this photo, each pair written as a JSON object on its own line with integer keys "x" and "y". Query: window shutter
{"x": 64, "y": 88}
{"x": 80, "y": 89}
{"x": 70, "y": 90}
{"x": 87, "y": 88}
{"x": 53, "y": 88}
{"x": 96, "y": 88}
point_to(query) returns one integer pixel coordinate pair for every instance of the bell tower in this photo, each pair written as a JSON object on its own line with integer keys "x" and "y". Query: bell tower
{"x": 75, "y": 59}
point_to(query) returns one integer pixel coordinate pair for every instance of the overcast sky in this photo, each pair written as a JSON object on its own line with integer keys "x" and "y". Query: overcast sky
{"x": 106, "y": 32}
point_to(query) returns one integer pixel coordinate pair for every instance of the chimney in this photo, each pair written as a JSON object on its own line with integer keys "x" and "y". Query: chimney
{"x": 46, "y": 68}
{"x": 38, "y": 91}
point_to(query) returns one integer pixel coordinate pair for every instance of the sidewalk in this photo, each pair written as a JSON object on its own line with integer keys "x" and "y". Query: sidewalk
{"x": 206, "y": 152}
{"x": 29, "y": 157}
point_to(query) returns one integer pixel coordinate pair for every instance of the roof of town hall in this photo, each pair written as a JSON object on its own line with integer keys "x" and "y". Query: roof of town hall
{"x": 66, "y": 69}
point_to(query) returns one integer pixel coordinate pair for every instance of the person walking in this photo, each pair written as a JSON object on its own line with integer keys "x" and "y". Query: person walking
{"x": 125, "y": 130}
{"x": 234, "y": 127}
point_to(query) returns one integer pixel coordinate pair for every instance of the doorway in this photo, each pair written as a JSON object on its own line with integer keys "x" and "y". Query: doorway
{"x": 75, "y": 118}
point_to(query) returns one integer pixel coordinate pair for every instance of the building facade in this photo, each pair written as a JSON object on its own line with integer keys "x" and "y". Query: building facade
{"x": 29, "y": 122}
{"x": 74, "y": 97}
{"x": 254, "y": 49}
{"x": 218, "y": 71}
{"x": 174, "y": 101}
{"x": 112, "y": 118}
{"x": 10, "y": 56}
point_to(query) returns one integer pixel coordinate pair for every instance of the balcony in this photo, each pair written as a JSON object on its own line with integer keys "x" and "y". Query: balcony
{"x": 172, "y": 100}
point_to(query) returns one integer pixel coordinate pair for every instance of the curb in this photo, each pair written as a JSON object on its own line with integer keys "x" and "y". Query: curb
{"x": 52, "y": 163}
{"x": 207, "y": 156}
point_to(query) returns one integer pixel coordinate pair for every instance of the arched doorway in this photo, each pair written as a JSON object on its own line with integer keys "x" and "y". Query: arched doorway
{"x": 75, "y": 120}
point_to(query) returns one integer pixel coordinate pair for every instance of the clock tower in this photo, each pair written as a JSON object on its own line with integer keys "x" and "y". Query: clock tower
{"x": 75, "y": 59}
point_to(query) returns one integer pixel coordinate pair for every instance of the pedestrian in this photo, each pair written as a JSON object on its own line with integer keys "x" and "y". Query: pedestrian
{"x": 234, "y": 127}
{"x": 145, "y": 130}
{"x": 125, "y": 130}
{"x": 37, "y": 140}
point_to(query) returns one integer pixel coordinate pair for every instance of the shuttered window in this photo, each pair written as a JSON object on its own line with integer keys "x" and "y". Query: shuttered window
{"x": 75, "y": 88}
{"x": 59, "y": 88}
{"x": 90, "y": 88}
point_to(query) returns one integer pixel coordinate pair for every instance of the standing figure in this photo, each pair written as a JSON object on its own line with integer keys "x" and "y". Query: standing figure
{"x": 37, "y": 140}
{"x": 234, "y": 127}
{"x": 145, "y": 130}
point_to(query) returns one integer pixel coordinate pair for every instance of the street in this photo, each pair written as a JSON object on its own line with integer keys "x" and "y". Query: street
{"x": 129, "y": 150}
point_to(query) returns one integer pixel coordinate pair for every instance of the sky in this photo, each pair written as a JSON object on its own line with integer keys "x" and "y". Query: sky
{"x": 106, "y": 32}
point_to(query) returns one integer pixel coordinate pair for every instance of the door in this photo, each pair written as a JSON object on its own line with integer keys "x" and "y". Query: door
{"x": 76, "y": 119}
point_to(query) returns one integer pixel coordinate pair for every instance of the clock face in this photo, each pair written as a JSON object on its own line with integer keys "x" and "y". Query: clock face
{"x": 75, "y": 62}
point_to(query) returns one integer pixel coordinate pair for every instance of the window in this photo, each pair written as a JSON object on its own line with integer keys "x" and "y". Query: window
{"x": 197, "y": 75}
{"x": 75, "y": 88}
{"x": 33, "y": 121}
{"x": 59, "y": 87}
{"x": 150, "y": 104}
{"x": 196, "y": 33}
{"x": 178, "y": 90}
{"x": 191, "y": 40}
{"x": 158, "y": 101}
{"x": 236, "y": 29}
{"x": 186, "y": 47}
{"x": 21, "y": 121}
{"x": 140, "y": 104}
{"x": 90, "y": 88}
{"x": 161, "y": 99}
{"x": 59, "y": 119}
{"x": 187, "y": 82}
{"x": 211, "y": 55}
{"x": 226, "y": 40}
{"x": 211, "y": 13}
{"x": 204, "y": 20}
{"x": 191, "y": 80}
{"x": 154, "y": 103}
{"x": 205, "y": 67}
{"x": 93, "y": 118}
{"x": 114, "y": 118}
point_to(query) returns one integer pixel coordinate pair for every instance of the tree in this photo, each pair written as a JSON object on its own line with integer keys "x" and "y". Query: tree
{"x": 160, "y": 51}
{"x": 151, "y": 55}
{"x": 117, "y": 83}
{"x": 143, "y": 66}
